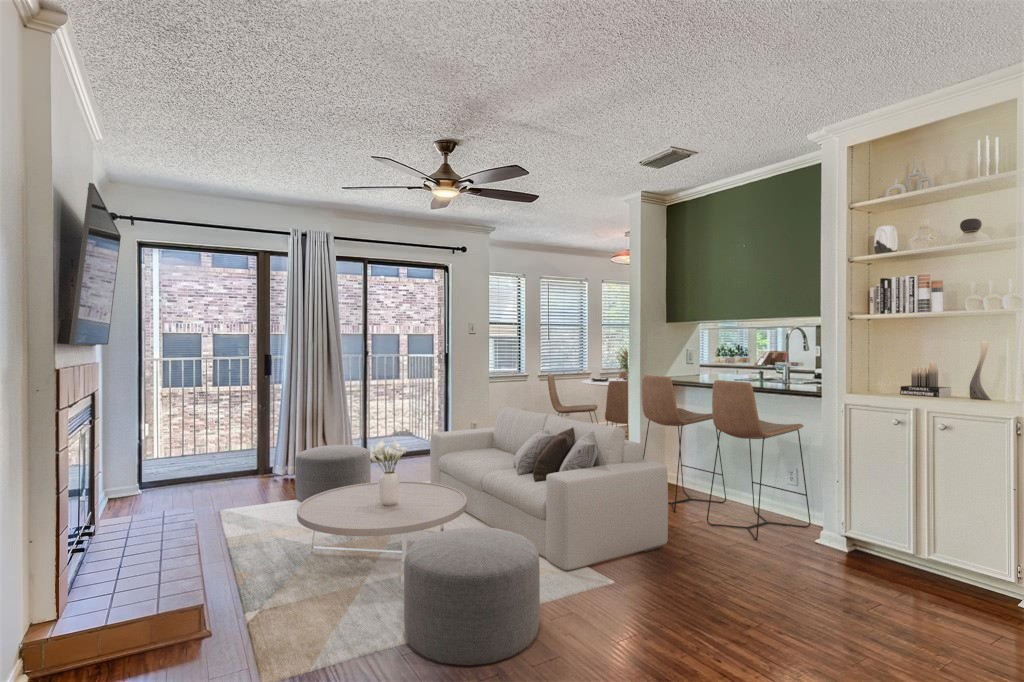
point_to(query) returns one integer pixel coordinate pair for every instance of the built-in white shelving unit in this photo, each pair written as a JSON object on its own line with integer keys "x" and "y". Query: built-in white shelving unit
{"x": 930, "y": 316}
{"x": 946, "y": 250}
{"x": 929, "y": 481}
{"x": 953, "y": 190}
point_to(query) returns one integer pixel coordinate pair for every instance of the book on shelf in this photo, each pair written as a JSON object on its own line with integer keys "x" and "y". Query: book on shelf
{"x": 900, "y": 295}
{"x": 926, "y": 391}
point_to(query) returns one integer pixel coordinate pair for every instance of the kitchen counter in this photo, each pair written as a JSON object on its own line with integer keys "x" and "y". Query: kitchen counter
{"x": 706, "y": 380}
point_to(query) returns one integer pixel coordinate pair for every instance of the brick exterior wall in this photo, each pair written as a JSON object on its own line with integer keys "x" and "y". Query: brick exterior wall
{"x": 198, "y": 297}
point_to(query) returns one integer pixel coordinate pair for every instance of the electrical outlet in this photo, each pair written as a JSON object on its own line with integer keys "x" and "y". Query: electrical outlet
{"x": 794, "y": 477}
{"x": 472, "y": 425}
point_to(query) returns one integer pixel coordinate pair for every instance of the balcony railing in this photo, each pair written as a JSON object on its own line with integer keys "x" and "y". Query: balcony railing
{"x": 204, "y": 405}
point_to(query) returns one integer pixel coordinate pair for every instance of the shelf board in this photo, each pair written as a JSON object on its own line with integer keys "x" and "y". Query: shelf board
{"x": 1003, "y": 243}
{"x": 952, "y": 190}
{"x": 924, "y": 316}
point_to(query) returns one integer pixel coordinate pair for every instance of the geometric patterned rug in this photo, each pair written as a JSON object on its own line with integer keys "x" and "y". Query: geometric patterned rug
{"x": 308, "y": 610}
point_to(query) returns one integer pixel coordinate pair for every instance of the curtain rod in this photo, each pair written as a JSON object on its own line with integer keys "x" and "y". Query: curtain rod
{"x": 236, "y": 228}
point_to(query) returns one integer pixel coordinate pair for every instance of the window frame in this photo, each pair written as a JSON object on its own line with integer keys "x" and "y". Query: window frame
{"x": 519, "y": 326}
{"x": 581, "y": 325}
{"x": 605, "y": 325}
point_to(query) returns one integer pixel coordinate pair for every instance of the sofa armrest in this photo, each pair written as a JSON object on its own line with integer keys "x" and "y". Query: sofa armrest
{"x": 443, "y": 442}
{"x": 632, "y": 452}
{"x": 605, "y": 512}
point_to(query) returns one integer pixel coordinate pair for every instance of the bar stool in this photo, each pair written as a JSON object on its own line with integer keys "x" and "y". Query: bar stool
{"x": 735, "y": 413}
{"x": 591, "y": 410}
{"x": 616, "y": 409}
{"x": 659, "y": 402}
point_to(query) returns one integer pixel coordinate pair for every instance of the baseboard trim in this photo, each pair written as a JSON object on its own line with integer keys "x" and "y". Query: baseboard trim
{"x": 994, "y": 585}
{"x": 834, "y": 540}
{"x": 123, "y": 491}
{"x": 793, "y": 511}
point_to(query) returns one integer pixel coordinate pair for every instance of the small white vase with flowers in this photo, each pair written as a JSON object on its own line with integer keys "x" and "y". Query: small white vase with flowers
{"x": 386, "y": 456}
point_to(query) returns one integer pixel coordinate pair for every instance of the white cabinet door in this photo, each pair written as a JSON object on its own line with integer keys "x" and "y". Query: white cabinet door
{"x": 972, "y": 493}
{"x": 880, "y": 476}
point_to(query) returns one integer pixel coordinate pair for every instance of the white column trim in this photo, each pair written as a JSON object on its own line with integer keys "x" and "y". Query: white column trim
{"x": 39, "y": 18}
{"x": 54, "y": 21}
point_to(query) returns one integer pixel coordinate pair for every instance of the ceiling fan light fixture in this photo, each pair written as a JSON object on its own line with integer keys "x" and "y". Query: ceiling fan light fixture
{"x": 445, "y": 192}
{"x": 622, "y": 257}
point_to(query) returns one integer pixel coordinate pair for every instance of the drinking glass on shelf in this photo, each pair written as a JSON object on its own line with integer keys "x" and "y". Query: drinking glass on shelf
{"x": 992, "y": 300}
{"x": 974, "y": 301}
{"x": 1012, "y": 300}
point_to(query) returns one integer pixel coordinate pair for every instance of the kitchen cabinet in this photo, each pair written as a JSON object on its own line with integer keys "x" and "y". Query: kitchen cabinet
{"x": 880, "y": 459}
{"x": 971, "y": 491}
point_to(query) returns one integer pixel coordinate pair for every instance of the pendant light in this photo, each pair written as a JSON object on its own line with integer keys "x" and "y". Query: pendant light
{"x": 622, "y": 257}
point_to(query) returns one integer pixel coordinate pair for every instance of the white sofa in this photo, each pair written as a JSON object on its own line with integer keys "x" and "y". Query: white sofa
{"x": 575, "y": 518}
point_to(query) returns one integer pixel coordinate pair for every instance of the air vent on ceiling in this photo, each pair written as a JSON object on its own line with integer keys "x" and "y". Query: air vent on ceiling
{"x": 667, "y": 157}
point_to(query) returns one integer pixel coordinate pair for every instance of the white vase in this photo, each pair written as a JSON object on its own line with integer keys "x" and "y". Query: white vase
{"x": 389, "y": 489}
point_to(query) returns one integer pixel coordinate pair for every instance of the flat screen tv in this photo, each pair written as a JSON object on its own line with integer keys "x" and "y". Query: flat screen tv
{"x": 88, "y": 270}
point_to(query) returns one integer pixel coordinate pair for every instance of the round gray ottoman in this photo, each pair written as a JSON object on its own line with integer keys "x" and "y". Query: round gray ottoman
{"x": 472, "y": 596}
{"x": 329, "y": 467}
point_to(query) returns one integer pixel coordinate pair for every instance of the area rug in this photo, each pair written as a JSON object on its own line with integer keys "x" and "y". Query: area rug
{"x": 308, "y": 610}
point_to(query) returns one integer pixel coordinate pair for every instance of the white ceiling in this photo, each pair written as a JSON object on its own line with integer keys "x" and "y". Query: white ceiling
{"x": 289, "y": 99}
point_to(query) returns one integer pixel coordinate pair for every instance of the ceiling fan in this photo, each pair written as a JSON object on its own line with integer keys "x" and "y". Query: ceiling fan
{"x": 445, "y": 184}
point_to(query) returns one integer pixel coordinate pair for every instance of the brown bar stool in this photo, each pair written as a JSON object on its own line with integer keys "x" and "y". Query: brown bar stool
{"x": 659, "y": 401}
{"x": 568, "y": 409}
{"x": 735, "y": 412}
{"x": 616, "y": 409}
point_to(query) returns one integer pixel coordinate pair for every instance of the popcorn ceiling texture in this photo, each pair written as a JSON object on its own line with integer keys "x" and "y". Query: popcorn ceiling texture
{"x": 282, "y": 99}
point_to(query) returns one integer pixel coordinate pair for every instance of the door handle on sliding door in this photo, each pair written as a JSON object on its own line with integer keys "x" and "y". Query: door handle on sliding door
{"x": 268, "y": 365}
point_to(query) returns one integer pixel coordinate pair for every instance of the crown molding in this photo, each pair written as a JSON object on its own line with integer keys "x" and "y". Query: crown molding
{"x": 747, "y": 177}
{"x": 39, "y": 18}
{"x": 1009, "y": 76}
{"x": 79, "y": 84}
{"x": 550, "y": 248}
{"x": 643, "y": 197}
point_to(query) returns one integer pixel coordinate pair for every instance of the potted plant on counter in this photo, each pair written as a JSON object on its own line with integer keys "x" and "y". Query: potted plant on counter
{"x": 623, "y": 358}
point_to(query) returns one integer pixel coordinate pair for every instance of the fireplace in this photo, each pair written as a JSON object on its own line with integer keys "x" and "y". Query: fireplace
{"x": 80, "y": 484}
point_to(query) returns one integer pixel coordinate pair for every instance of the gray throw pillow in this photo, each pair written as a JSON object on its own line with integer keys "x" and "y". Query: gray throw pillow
{"x": 582, "y": 455}
{"x": 527, "y": 455}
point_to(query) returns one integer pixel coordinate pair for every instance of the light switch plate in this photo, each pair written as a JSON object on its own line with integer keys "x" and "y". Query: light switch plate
{"x": 689, "y": 356}
{"x": 471, "y": 328}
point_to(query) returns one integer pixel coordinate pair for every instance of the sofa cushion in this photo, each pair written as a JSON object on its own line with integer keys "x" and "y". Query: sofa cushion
{"x": 582, "y": 455}
{"x": 610, "y": 439}
{"x": 520, "y": 491}
{"x": 553, "y": 454}
{"x": 470, "y": 466}
{"x": 526, "y": 458}
{"x": 514, "y": 427}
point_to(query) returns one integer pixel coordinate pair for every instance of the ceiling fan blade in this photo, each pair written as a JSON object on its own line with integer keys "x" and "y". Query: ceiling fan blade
{"x": 503, "y": 194}
{"x": 386, "y": 187}
{"x": 398, "y": 165}
{"x": 438, "y": 202}
{"x": 495, "y": 175}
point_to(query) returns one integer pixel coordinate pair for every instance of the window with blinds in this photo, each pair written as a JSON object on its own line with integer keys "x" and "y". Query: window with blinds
{"x": 506, "y": 327}
{"x": 614, "y": 322}
{"x": 563, "y": 326}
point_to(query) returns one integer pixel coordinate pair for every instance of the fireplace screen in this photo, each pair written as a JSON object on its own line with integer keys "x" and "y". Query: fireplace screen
{"x": 80, "y": 518}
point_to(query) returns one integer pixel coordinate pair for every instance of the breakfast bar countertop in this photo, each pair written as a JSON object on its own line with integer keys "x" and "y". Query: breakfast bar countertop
{"x": 706, "y": 380}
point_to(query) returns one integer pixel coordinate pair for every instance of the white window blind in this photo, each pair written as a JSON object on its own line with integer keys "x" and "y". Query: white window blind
{"x": 507, "y": 324}
{"x": 614, "y": 322}
{"x": 563, "y": 325}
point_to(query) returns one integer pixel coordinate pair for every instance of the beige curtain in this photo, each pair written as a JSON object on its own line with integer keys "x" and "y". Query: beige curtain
{"x": 313, "y": 407}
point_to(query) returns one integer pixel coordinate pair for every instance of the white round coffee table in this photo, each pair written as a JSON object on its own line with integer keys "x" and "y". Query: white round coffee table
{"x": 355, "y": 510}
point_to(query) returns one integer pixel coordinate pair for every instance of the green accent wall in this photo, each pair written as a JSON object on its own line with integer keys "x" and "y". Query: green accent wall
{"x": 749, "y": 252}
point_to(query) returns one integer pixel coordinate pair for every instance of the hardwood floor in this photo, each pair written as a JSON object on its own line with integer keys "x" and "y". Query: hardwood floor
{"x": 711, "y": 604}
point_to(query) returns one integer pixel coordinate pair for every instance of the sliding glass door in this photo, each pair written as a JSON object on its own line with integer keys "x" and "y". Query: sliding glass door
{"x": 394, "y": 339}
{"x": 211, "y": 332}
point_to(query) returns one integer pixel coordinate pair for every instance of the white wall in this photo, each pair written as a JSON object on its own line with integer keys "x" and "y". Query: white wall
{"x": 468, "y": 292}
{"x": 14, "y": 569}
{"x": 531, "y": 392}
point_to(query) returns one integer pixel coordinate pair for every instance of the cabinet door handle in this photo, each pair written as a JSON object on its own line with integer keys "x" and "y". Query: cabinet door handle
{"x": 943, "y": 427}
{"x": 896, "y": 422}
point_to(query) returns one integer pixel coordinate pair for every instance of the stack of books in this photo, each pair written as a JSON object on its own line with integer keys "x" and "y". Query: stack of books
{"x": 907, "y": 294}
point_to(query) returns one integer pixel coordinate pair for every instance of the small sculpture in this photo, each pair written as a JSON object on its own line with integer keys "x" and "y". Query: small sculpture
{"x": 915, "y": 178}
{"x": 886, "y": 239}
{"x": 895, "y": 188}
{"x": 977, "y": 392}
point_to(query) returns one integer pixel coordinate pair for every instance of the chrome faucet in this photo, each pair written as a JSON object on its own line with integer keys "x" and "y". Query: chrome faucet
{"x": 786, "y": 366}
